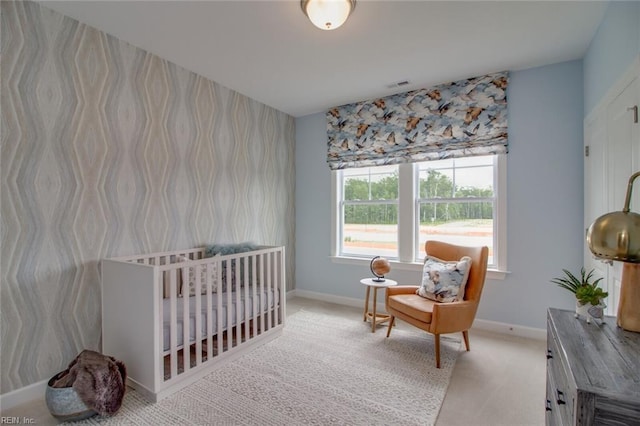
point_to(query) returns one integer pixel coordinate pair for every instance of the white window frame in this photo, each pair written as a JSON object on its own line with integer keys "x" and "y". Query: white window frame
{"x": 407, "y": 205}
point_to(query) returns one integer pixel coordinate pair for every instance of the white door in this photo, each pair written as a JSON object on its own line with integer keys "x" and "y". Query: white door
{"x": 595, "y": 193}
{"x": 623, "y": 160}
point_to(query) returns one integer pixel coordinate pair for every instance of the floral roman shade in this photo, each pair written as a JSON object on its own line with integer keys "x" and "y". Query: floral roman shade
{"x": 459, "y": 119}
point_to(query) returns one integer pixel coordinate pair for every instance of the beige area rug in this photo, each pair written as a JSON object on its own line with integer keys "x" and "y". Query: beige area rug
{"x": 323, "y": 370}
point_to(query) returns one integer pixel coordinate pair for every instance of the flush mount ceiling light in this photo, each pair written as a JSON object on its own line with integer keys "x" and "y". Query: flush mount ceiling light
{"x": 327, "y": 14}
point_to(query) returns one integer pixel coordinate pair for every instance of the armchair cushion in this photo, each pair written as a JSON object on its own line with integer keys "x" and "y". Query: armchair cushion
{"x": 444, "y": 281}
{"x": 412, "y": 305}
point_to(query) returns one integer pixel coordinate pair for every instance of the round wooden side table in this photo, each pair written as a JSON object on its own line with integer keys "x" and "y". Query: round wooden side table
{"x": 372, "y": 316}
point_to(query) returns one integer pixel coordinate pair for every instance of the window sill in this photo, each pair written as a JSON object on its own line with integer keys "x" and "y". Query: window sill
{"x": 492, "y": 274}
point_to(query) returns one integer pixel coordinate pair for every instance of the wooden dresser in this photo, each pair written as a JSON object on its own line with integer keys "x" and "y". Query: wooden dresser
{"x": 593, "y": 372}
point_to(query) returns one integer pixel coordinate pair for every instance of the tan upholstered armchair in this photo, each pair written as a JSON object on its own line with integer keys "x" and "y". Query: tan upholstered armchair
{"x": 440, "y": 318}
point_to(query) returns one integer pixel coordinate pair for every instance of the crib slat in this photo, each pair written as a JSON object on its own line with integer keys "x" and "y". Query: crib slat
{"x": 236, "y": 290}
{"x": 186, "y": 335}
{"x": 228, "y": 282}
{"x": 281, "y": 287}
{"x": 198, "y": 310}
{"x": 173, "y": 323}
{"x": 210, "y": 317}
{"x": 276, "y": 280}
{"x": 246, "y": 297}
{"x": 263, "y": 258}
{"x": 267, "y": 306}
{"x": 254, "y": 305}
{"x": 219, "y": 328}
{"x": 272, "y": 294}
{"x": 274, "y": 289}
{"x": 163, "y": 279}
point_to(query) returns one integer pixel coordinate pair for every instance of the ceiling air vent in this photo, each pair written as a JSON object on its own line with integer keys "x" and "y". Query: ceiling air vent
{"x": 398, "y": 84}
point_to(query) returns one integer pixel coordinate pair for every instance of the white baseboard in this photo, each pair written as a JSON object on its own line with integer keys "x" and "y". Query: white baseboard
{"x": 479, "y": 324}
{"x": 513, "y": 330}
{"x": 23, "y": 395}
{"x": 331, "y": 298}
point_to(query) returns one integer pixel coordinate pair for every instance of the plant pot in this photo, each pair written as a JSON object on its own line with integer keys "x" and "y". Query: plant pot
{"x": 589, "y": 311}
{"x": 64, "y": 403}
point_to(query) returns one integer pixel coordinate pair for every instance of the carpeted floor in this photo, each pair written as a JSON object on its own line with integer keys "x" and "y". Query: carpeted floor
{"x": 322, "y": 370}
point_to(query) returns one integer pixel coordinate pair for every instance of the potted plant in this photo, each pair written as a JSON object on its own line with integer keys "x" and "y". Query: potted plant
{"x": 589, "y": 297}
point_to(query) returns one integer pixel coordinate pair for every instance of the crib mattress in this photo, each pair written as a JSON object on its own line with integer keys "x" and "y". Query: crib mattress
{"x": 267, "y": 294}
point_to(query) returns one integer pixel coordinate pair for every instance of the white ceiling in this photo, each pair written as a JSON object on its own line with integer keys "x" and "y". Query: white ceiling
{"x": 269, "y": 51}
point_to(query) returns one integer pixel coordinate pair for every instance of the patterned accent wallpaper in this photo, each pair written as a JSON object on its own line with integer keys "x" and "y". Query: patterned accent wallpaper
{"x": 108, "y": 150}
{"x": 459, "y": 119}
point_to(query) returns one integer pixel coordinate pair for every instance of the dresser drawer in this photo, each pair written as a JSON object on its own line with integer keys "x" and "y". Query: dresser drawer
{"x": 559, "y": 391}
{"x": 552, "y": 414}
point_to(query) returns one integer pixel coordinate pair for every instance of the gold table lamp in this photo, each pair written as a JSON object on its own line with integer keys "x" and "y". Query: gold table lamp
{"x": 616, "y": 236}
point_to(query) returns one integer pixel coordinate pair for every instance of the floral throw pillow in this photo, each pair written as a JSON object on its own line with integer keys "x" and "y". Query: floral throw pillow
{"x": 444, "y": 281}
{"x": 209, "y": 268}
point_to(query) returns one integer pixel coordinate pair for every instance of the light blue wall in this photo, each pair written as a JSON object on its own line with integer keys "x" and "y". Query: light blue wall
{"x": 613, "y": 48}
{"x": 545, "y": 174}
{"x": 545, "y": 201}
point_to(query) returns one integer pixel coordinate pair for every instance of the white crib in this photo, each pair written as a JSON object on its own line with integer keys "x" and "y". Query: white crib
{"x": 168, "y": 341}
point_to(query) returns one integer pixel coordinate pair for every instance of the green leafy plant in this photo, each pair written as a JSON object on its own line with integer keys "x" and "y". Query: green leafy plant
{"x": 589, "y": 294}
{"x": 585, "y": 287}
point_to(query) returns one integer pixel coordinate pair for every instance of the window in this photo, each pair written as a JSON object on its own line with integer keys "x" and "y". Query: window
{"x": 369, "y": 213}
{"x": 456, "y": 202}
{"x": 392, "y": 210}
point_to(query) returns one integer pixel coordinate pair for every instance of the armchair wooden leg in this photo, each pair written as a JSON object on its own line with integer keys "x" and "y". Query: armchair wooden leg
{"x": 391, "y": 321}
{"x": 465, "y": 334}
{"x": 437, "y": 340}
